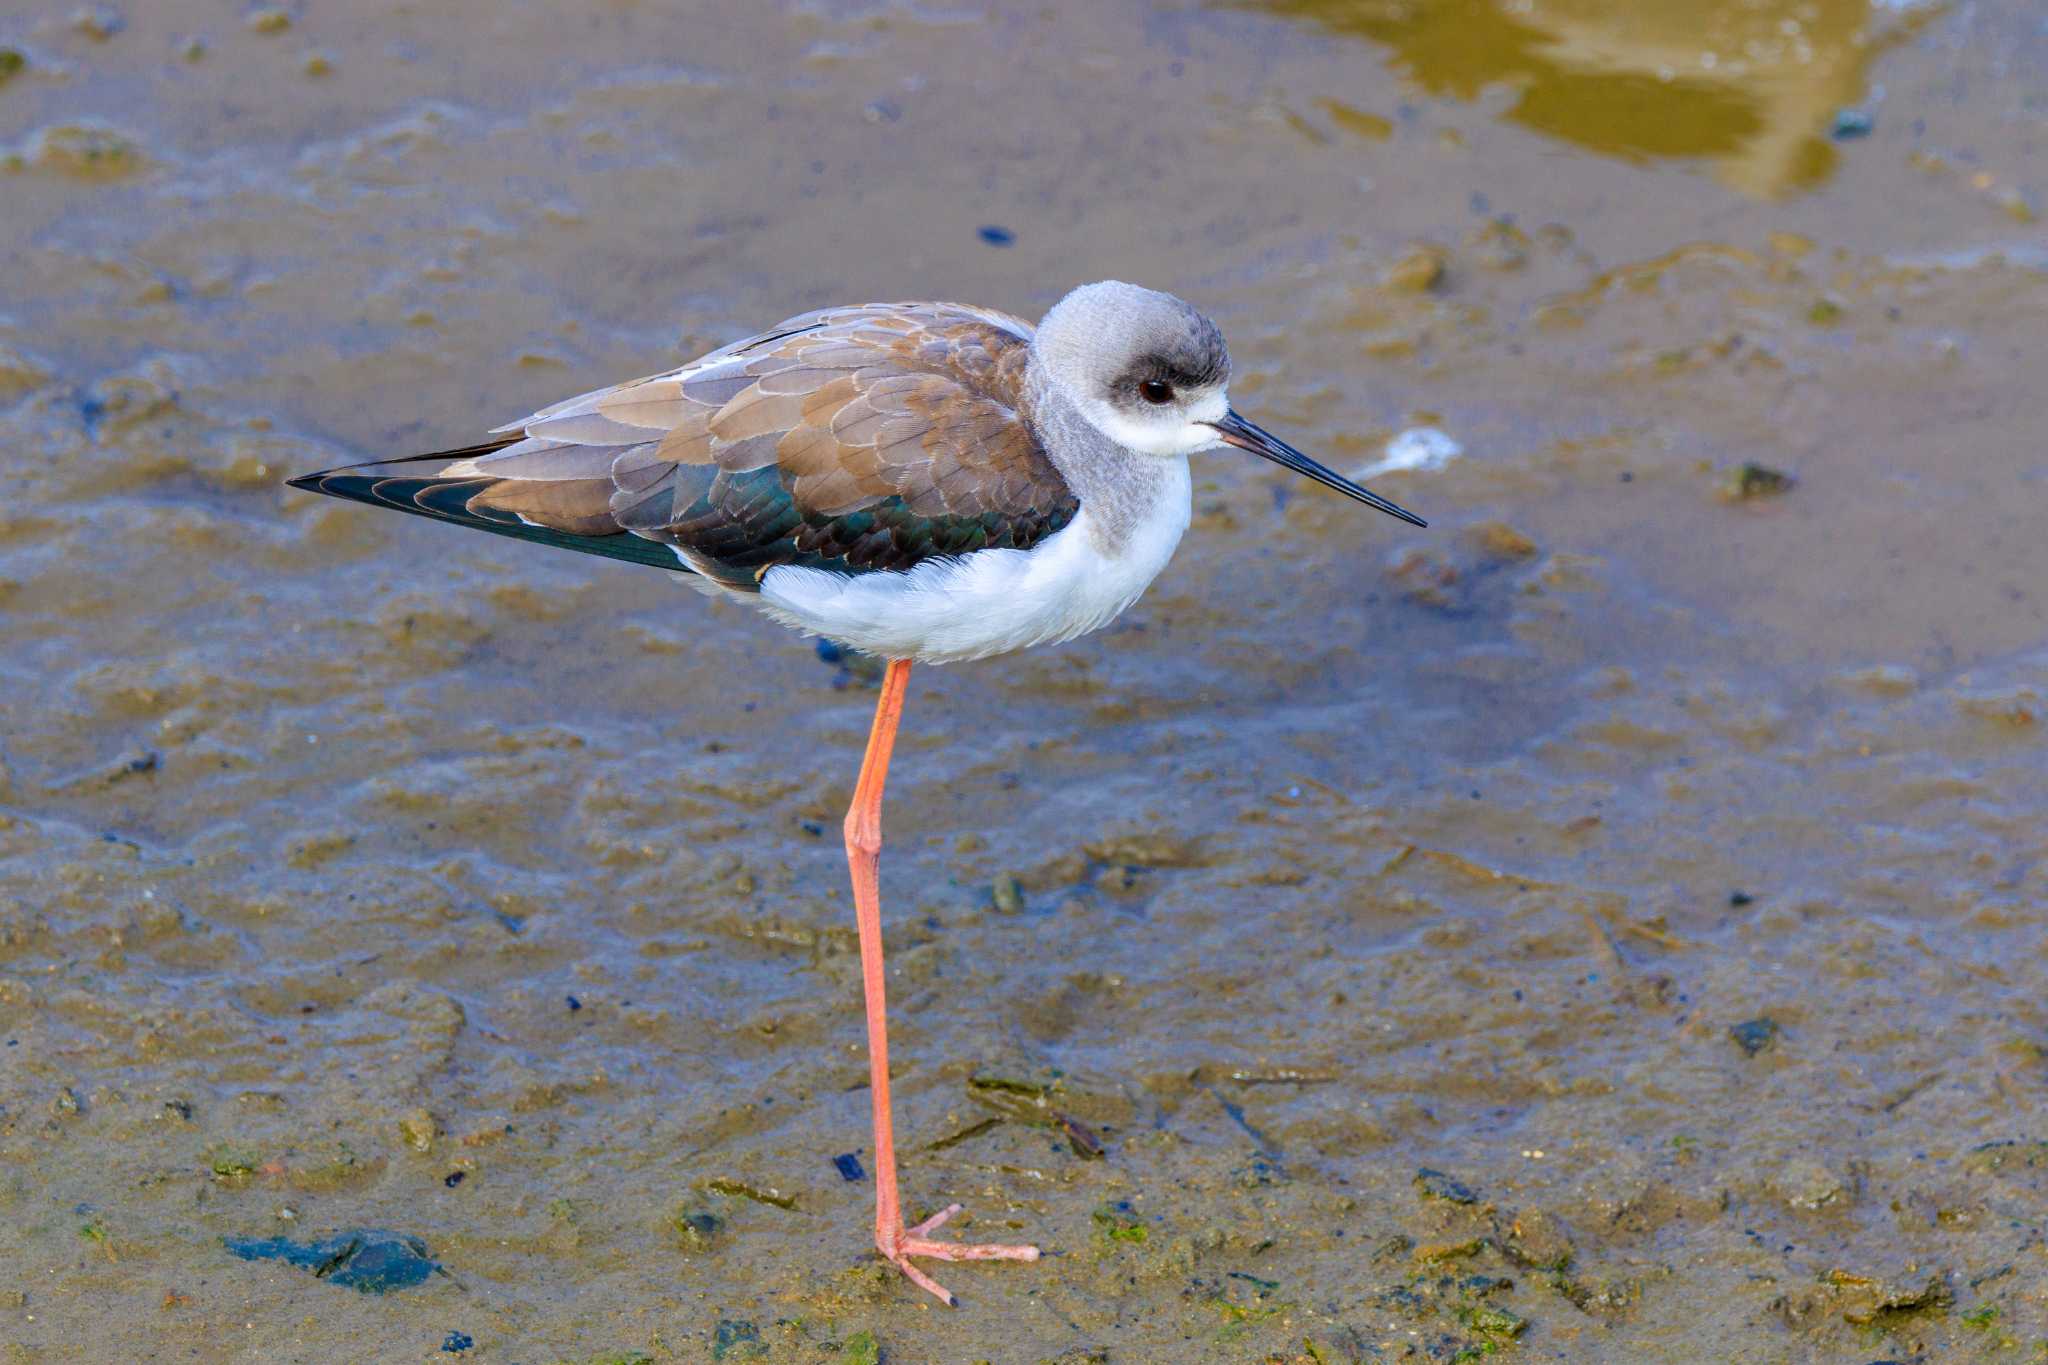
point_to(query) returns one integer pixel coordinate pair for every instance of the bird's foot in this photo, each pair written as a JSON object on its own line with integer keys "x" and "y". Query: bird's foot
{"x": 912, "y": 1241}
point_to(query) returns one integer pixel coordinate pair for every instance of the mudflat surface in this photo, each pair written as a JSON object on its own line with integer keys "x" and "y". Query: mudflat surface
{"x": 1607, "y": 926}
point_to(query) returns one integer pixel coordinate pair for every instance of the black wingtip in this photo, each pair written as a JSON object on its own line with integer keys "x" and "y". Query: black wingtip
{"x": 414, "y": 484}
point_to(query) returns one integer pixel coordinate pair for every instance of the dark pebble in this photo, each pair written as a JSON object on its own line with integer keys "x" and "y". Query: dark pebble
{"x": 996, "y": 236}
{"x": 457, "y": 1342}
{"x": 370, "y": 1260}
{"x": 1852, "y": 123}
{"x": 731, "y": 1336}
{"x": 1755, "y": 1035}
{"x": 1740, "y": 898}
{"x": 849, "y": 1166}
{"x": 453, "y": 1178}
{"x": 1437, "y": 1185}
{"x": 574, "y": 1004}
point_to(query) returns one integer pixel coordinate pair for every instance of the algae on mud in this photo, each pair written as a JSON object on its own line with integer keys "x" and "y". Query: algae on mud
{"x": 321, "y": 836}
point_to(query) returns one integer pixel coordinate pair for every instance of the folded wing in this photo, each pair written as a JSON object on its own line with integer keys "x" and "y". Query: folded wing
{"x": 856, "y": 439}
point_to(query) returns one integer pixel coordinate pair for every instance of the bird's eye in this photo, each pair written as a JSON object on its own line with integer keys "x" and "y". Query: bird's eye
{"x": 1156, "y": 391}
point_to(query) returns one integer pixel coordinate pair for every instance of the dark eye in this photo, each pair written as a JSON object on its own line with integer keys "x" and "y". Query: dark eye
{"x": 1156, "y": 391}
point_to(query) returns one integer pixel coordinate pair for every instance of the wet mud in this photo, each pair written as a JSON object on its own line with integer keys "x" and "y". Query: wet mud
{"x": 1607, "y": 926}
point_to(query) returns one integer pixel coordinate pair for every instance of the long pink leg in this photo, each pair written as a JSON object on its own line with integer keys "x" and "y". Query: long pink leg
{"x": 863, "y": 856}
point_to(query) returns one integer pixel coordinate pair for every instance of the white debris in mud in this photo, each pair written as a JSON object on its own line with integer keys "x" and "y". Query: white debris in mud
{"x": 1415, "y": 448}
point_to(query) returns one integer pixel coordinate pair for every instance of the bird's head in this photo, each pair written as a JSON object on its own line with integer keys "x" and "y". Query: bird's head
{"x": 1152, "y": 374}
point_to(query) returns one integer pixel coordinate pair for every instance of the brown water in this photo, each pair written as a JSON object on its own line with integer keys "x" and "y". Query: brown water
{"x": 1352, "y": 852}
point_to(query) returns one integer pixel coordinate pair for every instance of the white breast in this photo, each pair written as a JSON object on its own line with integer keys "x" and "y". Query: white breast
{"x": 990, "y": 601}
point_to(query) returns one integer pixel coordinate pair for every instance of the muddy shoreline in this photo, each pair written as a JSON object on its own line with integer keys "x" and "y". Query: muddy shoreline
{"x": 1605, "y": 927}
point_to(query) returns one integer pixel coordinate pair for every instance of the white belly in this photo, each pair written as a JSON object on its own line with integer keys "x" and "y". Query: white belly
{"x": 990, "y": 601}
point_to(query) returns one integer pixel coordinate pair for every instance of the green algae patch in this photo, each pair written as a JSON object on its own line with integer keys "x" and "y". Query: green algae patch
{"x": 861, "y": 1349}
{"x": 232, "y": 1165}
{"x": 1116, "y": 1222}
{"x": 1494, "y": 1323}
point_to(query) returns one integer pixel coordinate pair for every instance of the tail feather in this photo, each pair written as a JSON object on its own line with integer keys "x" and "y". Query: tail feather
{"x": 418, "y": 485}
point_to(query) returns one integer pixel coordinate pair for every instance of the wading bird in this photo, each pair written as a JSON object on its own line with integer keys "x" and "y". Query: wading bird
{"x": 925, "y": 482}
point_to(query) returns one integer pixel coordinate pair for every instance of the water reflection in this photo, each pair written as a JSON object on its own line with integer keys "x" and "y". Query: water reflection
{"x": 1753, "y": 85}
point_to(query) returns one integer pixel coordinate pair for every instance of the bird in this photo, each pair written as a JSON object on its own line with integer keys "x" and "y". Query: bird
{"x": 922, "y": 482}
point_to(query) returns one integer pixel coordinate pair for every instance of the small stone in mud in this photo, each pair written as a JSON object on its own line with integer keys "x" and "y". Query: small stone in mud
{"x": 1420, "y": 269}
{"x": 457, "y": 1342}
{"x": 1538, "y": 1240}
{"x": 1851, "y": 123}
{"x": 1427, "y": 578}
{"x": 1432, "y": 1252}
{"x": 743, "y": 1189}
{"x": 97, "y": 22}
{"x": 1806, "y": 1184}
{"x": 87, "y": 151}
{"x": 1752, "y": 480}
{"x": 1146, "y": 850}
{"x": 268, "y": 19}
{"x": 1990, "y": 1158}
{"x": 696, "y": 1229}
{"x": 1086, "y": 1145}
{"x": 1007, "y": 894}
{"x": 1738, "y": 899}
{"x": 1601, "y": 1296}
{"x": 1498, "y": 540}
{"x": 737, "y": 1340}
{"x": 1437, "y": 1185}
{"x": 12, "y": 62}
{"x": 370, "y": 1260}
{"x": 1872, "y": 1298}
{"x": 996, "y": 235}
{"x": 849, "y": 1166}
{"x": 1755, "y": 1035}
{"x": 418, "y": 1130}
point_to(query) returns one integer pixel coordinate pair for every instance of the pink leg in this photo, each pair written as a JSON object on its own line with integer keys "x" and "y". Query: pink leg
{"x": 863, "y": 852}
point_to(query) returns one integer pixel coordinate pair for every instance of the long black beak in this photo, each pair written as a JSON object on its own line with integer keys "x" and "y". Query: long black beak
{"x": 1267, "y": 446}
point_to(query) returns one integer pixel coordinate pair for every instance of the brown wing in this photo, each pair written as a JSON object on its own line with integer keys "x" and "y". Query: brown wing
{"x": 855, "y": 438}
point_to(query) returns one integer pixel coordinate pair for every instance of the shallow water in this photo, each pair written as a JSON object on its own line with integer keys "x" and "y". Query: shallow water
{"x": 358, "y": 874}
